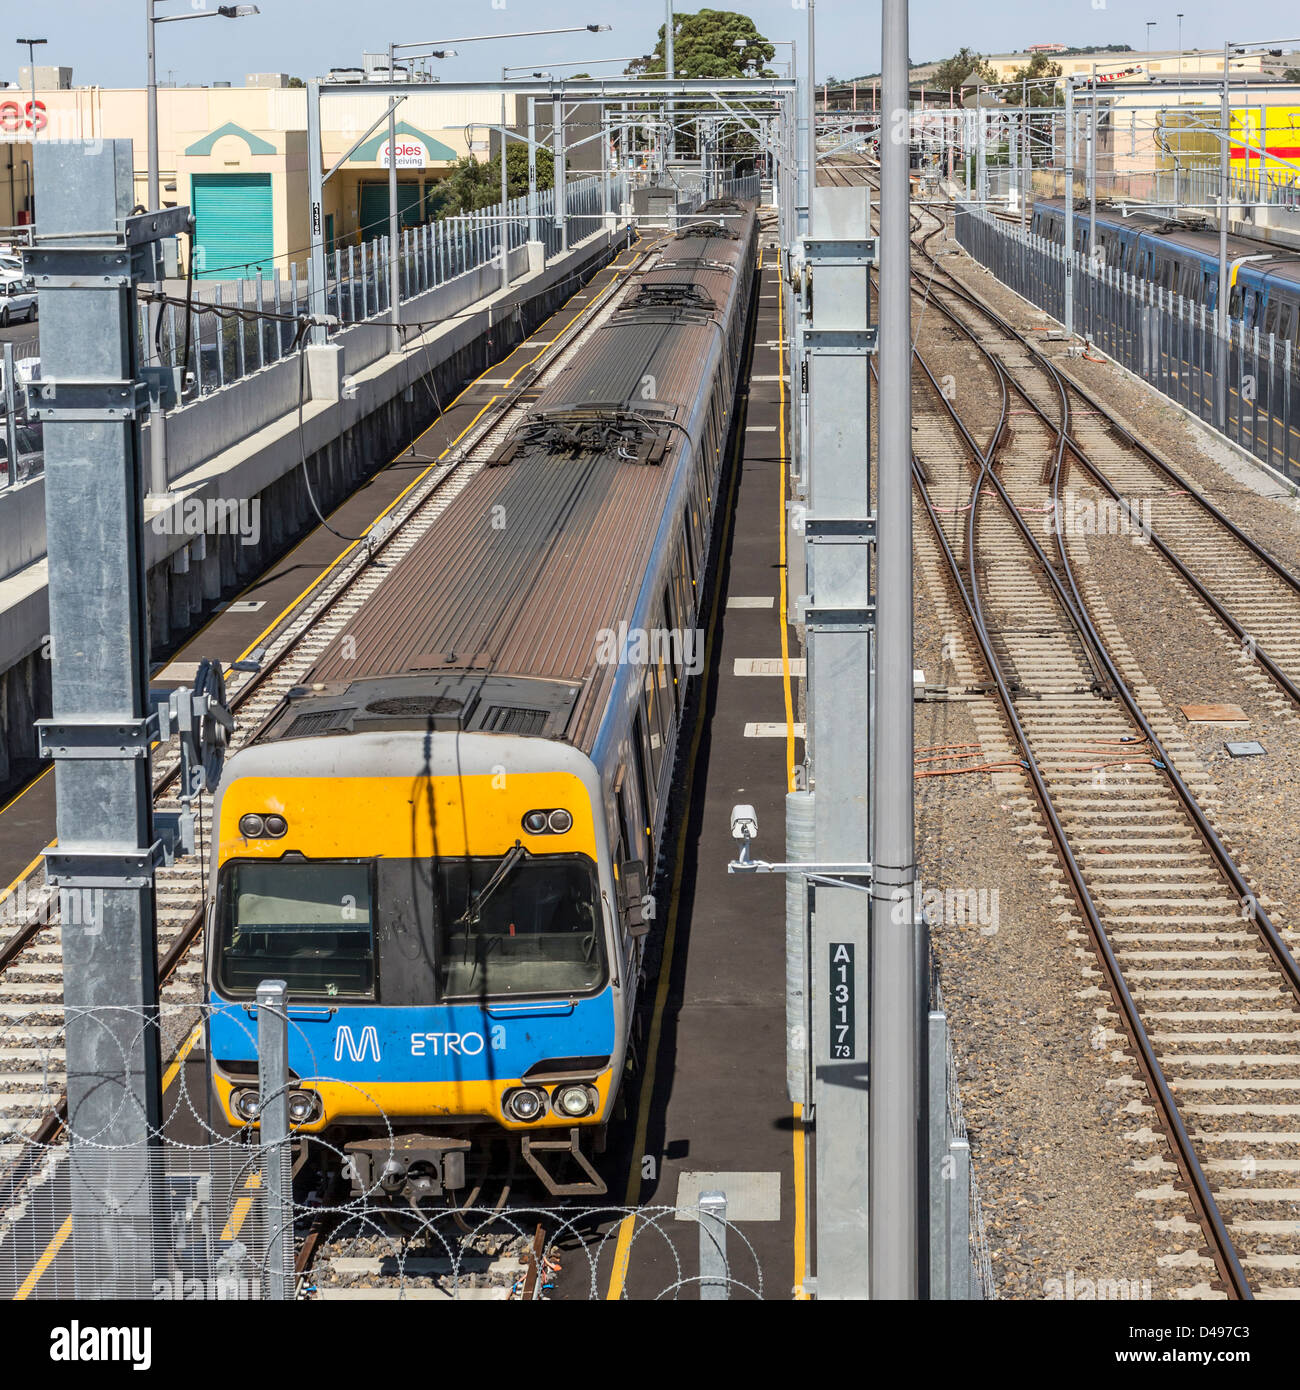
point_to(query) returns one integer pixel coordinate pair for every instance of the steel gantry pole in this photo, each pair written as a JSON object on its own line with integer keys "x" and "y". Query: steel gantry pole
{"x": 317, "y": 293}
{"x": 90, "y": 403}
{"x": 810, "y": 155}
{"x": 1068, "y": 250}
{"x": 394, "y": 239}
{"x": 504, "y": 236}
{"x": 1221, "y": 299}
{"x": 558, "y": 164}
{"x": 532, "y": 169}
{"x": 898, "y": 1002}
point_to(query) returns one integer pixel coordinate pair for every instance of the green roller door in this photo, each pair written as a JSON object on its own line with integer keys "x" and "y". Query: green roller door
{"x": 374, "y": 207}
{"x": 234, "y": 232}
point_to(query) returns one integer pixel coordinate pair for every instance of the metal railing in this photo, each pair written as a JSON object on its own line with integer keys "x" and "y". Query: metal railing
{"x": 1162, "y": 337}
{"x": 22, "y": 448}
{"x": 226, "y": 347}
{"x": 960, "y": 1266}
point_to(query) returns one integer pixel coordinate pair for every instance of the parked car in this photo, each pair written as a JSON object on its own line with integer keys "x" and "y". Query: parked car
{"x": 17, "y": 299}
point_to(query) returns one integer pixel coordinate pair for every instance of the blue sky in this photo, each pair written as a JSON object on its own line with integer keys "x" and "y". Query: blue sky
{"x": 102, "y": 40}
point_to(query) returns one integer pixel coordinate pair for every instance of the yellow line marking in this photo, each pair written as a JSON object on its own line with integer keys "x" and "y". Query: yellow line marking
{"x": 41, "y": 1265}
{"x": 623, "y": 1247}
{"x": 182, "y": 1053}
{"x": 18, "y": 796}
{"x": 239, "y": 1212}
{"x": 800, "y": 1139}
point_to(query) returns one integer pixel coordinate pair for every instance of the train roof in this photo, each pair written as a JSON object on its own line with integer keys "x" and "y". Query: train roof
{"x": 1284, "y": 261}
{"x": 548, "y": 544}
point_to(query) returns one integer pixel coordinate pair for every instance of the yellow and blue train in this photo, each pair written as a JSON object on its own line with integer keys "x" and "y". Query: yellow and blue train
{"x": 442, "y": 841}
{"x": 1263, "y": 279}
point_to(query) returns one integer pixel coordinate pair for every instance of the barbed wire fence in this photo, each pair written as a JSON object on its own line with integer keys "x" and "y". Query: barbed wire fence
{"x": 206, "y": 1211}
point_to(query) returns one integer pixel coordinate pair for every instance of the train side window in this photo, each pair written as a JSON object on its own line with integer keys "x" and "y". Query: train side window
{"x": 640, "y": 748}
{"x": 1270, "y": 317}
{"x": 1234, "y": 302}
{"x": 1284, "y": 322}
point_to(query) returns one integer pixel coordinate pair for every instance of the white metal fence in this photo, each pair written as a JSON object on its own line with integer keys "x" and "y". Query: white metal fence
{"x": 1164, "y": 338}
{"x": 243, "y": 335}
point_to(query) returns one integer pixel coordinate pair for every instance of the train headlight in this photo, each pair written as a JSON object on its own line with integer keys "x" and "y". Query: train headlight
{"x": 246, "y": 1104}
{"x": 526, "y": 1105}
{"x": 275, "y": 826}
{"x": 251, "y": 826}
{"x": 574, "y": 1101}
{"x": 535, "y": 822}
{"x": 304, "y": 1107}
{"x": 559, "y": 822}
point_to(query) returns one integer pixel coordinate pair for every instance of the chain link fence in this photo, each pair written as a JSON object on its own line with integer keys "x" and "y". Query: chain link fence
{"x": 1162, "y": 337}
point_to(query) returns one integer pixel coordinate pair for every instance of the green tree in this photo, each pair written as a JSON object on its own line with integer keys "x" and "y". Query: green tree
{"x": 952, "y": 72}
{"x": 1291, "y": 75}
{"x": 710, "y": 43}
{"x": 1041, "y": 91}
{"x": 475, "y": 183}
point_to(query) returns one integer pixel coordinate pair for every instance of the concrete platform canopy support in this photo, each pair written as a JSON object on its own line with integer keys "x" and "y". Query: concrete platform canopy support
{"x": 90, "y": 401}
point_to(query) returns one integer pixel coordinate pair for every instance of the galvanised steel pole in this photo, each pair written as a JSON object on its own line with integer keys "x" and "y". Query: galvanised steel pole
{"x": 670, "y": 146}
{"x": 532, "y": 170}
{"x": 504, "y": 237}
{"x": 317, "y": 294}
{"x": 394, "y": 282}
{"x": 897, "y": 1000}
{"x": 1221, "y": 305}
{"x": 152, "y": 107}
{"x": 1069, "y": 209}
{"x": 811, "y": 97}
{"x": 560, "y": 184}
{"x": 1092, "y": 173}
{"x": 103, "y": 862}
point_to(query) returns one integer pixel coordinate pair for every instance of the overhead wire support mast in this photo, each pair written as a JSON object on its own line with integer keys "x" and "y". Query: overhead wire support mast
{"x": 109, "y": 843}
{"x": 899, "y": 995}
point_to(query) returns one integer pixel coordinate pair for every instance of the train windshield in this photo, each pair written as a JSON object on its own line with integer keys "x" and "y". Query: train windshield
{"x": 518, "y": 925}
{"x": 309, "y": 924}
{"x": 411, "y": 932}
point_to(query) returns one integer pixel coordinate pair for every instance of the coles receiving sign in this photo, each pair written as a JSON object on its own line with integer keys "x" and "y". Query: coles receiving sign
{"x": 411, "y": 154}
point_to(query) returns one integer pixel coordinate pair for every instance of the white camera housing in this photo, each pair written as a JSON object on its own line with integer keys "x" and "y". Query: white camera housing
{"x": 744, "y": 823}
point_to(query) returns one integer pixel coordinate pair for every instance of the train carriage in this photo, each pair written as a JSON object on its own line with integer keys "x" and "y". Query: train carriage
{"x": 1264, "y": 280}
{"x": 443, "y": 841}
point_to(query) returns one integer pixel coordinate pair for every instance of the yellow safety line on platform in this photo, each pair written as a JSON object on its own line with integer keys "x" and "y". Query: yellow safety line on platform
{"x": 800, "y": 1138}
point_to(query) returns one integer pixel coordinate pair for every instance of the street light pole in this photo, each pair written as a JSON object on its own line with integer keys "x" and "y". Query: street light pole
{"x": 1221, "y": 305}
{"x": 154, "y": 196}
{"x": 670, "y": 71}
{"x": 32, "y": 45}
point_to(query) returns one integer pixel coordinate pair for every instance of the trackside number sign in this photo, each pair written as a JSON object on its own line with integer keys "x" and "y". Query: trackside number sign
{"x": 843, "y": 1026}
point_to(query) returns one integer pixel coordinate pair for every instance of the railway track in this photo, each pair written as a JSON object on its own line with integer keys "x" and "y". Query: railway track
{"x": 32, "y": 1064}
{"x": 1204, "y": 982}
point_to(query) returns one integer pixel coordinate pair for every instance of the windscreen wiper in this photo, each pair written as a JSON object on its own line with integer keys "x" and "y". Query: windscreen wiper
{"x": 511, "y": 857}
